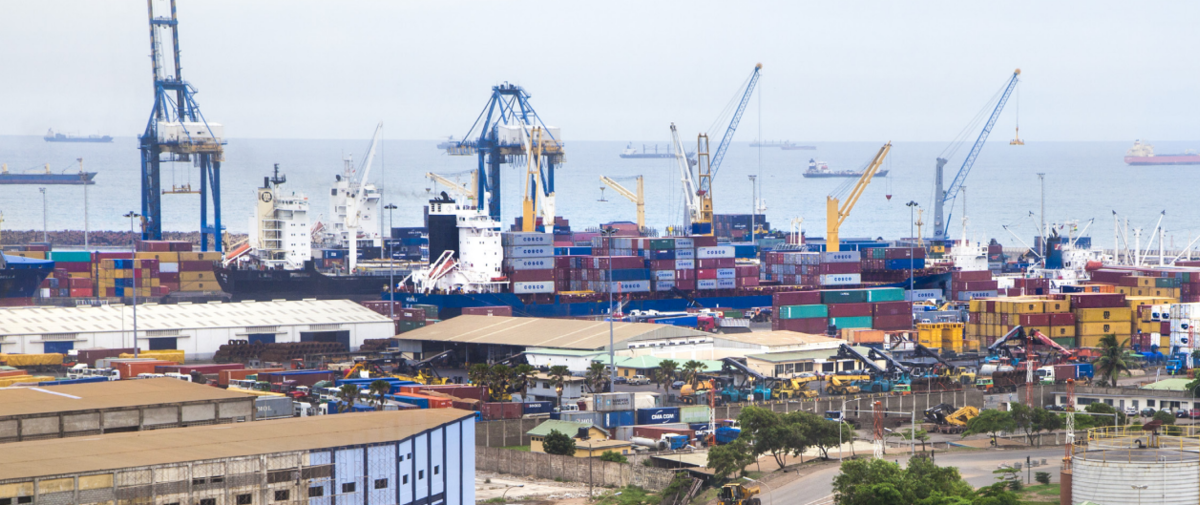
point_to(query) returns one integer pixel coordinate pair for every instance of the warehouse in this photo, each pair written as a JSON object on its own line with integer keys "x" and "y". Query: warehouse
{"x": 110, "y": 407}
{"x": 197, "y": 329}
{"x": 1168, "y": 394}
{"x": 490, "y": 338}
{"x": 424, "y": 456}
{"x": 716, "y": 346}
{"x": 789, "y": 364}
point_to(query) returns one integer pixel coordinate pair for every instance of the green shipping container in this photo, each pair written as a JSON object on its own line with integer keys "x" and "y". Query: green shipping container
{"x": 850, "y": 322}
{"x": 803, "y": 311}
{"x": 846, "y": 296}
{"x": 431, "y": 311}
{"x": 885, "y": 295}
{"x": 1067, "y": 342}
{"x": 878, "y": 253}
{"x": 1166, "y": 283}
{"x": 693, "y": 414}
{"x": 734, "y": 314}
{"x": 662, "y": 243}
{"x": 71, "y": 256}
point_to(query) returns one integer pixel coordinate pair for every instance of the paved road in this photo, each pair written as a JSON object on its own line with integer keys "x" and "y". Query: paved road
{"x": 975, "y": 466}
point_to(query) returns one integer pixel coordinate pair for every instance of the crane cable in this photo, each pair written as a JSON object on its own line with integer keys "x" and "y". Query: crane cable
{"x": 730, "y": 107}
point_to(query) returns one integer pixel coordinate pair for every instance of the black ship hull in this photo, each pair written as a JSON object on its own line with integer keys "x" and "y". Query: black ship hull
{"x": 265, "y": 285}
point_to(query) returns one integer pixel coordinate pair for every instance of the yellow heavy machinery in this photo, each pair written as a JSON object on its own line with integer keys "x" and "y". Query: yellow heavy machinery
{"x": 374, "y": 369}
{"x": 466, "y": 191}
{"x": 738, "y": 494}
{"x": 844, "y": 384}
{"x": 961, "y": 416}
{"x": 837, "y": 212}
{"x": 796, "y": 387}
{"x": 638, "y": 198}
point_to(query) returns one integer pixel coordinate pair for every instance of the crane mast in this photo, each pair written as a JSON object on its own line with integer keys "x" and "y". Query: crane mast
{"x": 689, "y": 182}
{"x": 357, "y": 199}
{"x": 461, "y": 189}
{"x": 836, "y": 214}
{"x": 707, "y": 169}
{"x": 638, "y": 198}
{"x": 942, "y": 198}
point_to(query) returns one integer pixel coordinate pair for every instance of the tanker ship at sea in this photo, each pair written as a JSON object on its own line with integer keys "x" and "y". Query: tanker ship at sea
{"x": 1143, "y": 154}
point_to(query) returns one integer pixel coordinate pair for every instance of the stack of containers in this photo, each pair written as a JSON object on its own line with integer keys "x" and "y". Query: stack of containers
{"x": 793, "y": 268}
{"x": 1099, "y": 314}
{"x": 716, "y": 267}
{"x": 407, "y": 243}
{"x": 995, "y": 256}
{"x": 120, "y": 277}
{"x": 942, "y": 336}
{"x": 616, "y": 409}
{"x": 672, "y": 262}
{"x": 800, "y": 311}
{"x": 1183, "y": 320}
{"x": 990, "y": 319}
{"x": 842, "y": 268}
{"x": 1028, "y": 287}
{"x": 968, "y": 285}
{"x": 78, "y": 266}
{"x": 196, "y": 271}
{"x": 529, "y": 261}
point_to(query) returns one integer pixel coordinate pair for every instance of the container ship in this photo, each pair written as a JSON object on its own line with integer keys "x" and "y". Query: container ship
{"x": 46, "y": 177}
{"x": 20, "y": 278}
{"x": 62, "y": 137}
{"x": 819, "y": 169}
{"x": 631, "y": 153}
{"x": 1143, "y": 154}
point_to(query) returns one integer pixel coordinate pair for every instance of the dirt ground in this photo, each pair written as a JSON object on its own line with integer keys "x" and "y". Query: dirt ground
{"x": 532, "y": 491}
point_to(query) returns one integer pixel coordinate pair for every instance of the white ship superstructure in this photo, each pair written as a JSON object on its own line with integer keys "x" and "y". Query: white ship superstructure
{"x": 279, "y": 230}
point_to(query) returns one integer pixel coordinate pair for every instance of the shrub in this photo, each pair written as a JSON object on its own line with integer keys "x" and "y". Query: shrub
{"x": 1042, "y": 477}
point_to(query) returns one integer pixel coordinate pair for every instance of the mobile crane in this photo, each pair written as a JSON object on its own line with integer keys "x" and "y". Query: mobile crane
{"x": 836, "y": 213}
{"x": 707, "y": 170}
{"x": 638, "y": 198}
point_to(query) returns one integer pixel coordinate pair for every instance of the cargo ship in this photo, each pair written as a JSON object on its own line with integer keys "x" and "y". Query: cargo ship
{"x": 263, "y": 285}
{"x": 769, "y": 143}
{"x": 1143, "y": 154}
{"x": 62, "y": 137}
{"x": 20, "y": 277}
{"x": 631, "y": 153}
{"x": 819, "y": 169}
{"x": 448, "y": 143}
{"x": 46, "y": 177}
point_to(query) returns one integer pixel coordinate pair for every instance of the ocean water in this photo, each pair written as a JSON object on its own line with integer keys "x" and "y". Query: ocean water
{"x": 1083, "y": 181}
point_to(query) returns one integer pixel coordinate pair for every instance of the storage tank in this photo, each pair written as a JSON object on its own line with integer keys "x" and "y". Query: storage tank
{"x": 1166, "y": 467}
{"x": 989, "y": 369}
{"x": 646, "y": 442}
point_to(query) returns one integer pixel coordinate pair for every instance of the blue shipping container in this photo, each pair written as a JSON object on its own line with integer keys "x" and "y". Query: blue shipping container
{"x": 745, "y": 251}
{"x": 686, "y": 321}
{"x": 905, "y": 264}
{"x": 658, "y": 415}
{"x": 537, "y": 408}
{"x": 411, "y": 400}
{"x": 619, "y": 418}
{"x": 631, "y": 274}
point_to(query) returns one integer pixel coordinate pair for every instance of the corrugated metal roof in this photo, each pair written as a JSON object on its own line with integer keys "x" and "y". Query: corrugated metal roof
{"x": 777, "y": 357}
{"x": 644, "y": 362}
{"x": 540, "y": 332}
{"x": 25, "y": 401}
{"x": 68, "y": 456}
{"x": 563, "y": 352}
{"x": 568, "y": 428}
{"x": 1169, "y": 385}
{"x": 778, "y": 338}
{"x": 151, "y": 317}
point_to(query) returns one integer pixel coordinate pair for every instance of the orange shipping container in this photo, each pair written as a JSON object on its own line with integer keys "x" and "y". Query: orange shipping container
{"x": 224, "y": 376}
{"x": 131, "y": 369}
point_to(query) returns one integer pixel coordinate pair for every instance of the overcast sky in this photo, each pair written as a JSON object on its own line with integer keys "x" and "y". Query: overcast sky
{"x": 614, "y": 70}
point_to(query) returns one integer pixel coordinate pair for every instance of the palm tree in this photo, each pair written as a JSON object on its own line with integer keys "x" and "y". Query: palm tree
{"x": 522, "y": 376}
{"x": 480, "y": 374}
{"x": 557, "y": 374}
{"x": 1111, "y": 362}
{"x": 347, "y": 395}
{"x": 691, "y": 371}
{"x": 668, "y": 369}
{"x": 501, "y": 377}
{"x": 597, "y": 375}
{"x": 377, "y": 390}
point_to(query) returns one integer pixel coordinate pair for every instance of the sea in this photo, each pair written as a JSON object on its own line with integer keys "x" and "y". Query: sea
{"x": 1086, "y": 184}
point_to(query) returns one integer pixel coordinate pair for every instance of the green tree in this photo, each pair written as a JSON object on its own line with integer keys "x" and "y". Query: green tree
{"x": 995, "y": 494}
{"x": 691, "y": 371}
{"x": 500, "y": 376}
{"x": 480, "y": 375}
{"x": 1108, "y": 419}
{"x": 668, "y": 369}
{"x": 559, "y": 443}
{"x": 377, "y": 390}
{"x": 991, "y": 422}
{"x": 726, "y": 459}
{"x": 1111, "y": 363}
{"x": 911, "y": 434}
{"x": 558, "y": 375}
{"x": 1164, "y": 417}
{"x": 347, "y": 395}
{"x": 766, "y": 432}
{"x": 614, "y": 457}
{"x": 880, "y": 482}
{"x": 824, "y": 435}
{"x": 1042, "y": 478}
{"x": 523, "y": 376}
{"x": 597, "y": 376}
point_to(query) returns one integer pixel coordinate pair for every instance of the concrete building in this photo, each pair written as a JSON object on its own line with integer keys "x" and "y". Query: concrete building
{"x": 716, "y": 346}
{"x": 575, "y": 360}
{"x": 197, "y": 329}
{"x": 541, "y": 388}
{"x": 598, "y": 439}
{"x": 788, "y": 364}
{"x": 1138, "y": 398}
{"x": 418, "y": 457}
{"x": 111, "y": 407}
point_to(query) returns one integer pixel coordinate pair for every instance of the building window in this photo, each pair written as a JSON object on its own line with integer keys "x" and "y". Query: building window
{"x": 421, "y": 474}
{"x": 380, "y": 483}
{"x": 216, "y": 480}
{"x": 316, "y": 491}
{"x": 436, "y": 469}
{"x": 348, "y": 487}
{"x": 1149, "y": 403}
{"x": 208, "y": 501}
{"x": 545, "y": 385}
{"x": 244, "y": 499}
{"x": 282, "y": 495}
{"x": 25, "y": 499}
{"x": 404, "y": 479}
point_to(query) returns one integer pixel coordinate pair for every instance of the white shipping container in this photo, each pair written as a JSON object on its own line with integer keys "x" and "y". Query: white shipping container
{"x": 190, "y": 131}
{"x": 706, "y": 284}
{"x": 529, "y": 252}
{"x": 685, "y": 243}
{"x": 629, "y": 286}
{"x": 726, "y": 283}
{"x": 840, "y": 279}
{"x": 726, "y": 273}
{"x": 684, "y": 254}
{"x": 920, "y": 295}
{"x": 168, "y": 268}
{"x": 664, "y": 275}
{"x": 515, "y": 238}
{"x": 721, "y": 251}
{"x": 684, "y": 264}
{"x": 512, "y": 133}
{"x": 664, "y": 285}
{"x": 841, "y": 257}
{"x": 528, "y": 263}
{"x": 533, "y": 287}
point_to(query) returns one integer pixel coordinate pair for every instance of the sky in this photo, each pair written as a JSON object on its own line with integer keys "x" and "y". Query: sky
{"x": 614, "y": 70}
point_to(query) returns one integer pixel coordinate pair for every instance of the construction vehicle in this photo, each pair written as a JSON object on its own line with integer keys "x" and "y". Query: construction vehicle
{"x": 1001, "y": 382}
{"x": 835, "y": 215}
{"x": 845, "y": 384}
{"x": 950, "y": 420}
{"x": 420, "y": 372}
{"x": 467, "y": 192}
{"x": 796, "y": 387}
{"x": 638, "y": 198}
{"x": 738, "y": 494}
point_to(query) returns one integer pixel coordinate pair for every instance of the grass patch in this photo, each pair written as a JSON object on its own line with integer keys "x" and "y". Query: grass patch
{"x": 705, "y": 496}
{"x": 522, "y": 448}
{"x": 1040, "y": 494}
{"x": 629, "y": 495}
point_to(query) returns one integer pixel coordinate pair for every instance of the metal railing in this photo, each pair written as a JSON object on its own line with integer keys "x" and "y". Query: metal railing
{"x": 1133, "y": 444}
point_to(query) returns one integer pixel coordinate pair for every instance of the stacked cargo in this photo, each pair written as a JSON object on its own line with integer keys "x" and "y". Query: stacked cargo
{"x": 800, "y": 311}
{"x": 946, "y": 337}
{"x": 529, "y": 261}
{"x": 969, "y": 285}
{"x": 1100, "y": 314}
{"x": 842, "y": 268}
{"x": 880, "y": 259}
{"x": 815, "y": 311}
{"x": 591, "y": 273}
{"x": 716, "y": 267}
{"x": 995, "y": 257}
{"x": 196, "y": 271}
{"x": 407, "y": 244}
{"x": 990, "y": 319}
{"x": 77, "y": 265}
{"x": 792, "y": 268}
{"x": 121, "y": 277}
{"x": 410, "y": 319}
{"x": 1028, "y": 287}
{"x": 672, "y": 262}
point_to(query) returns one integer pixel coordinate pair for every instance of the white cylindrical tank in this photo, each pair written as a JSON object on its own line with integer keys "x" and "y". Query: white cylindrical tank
{"x": 646, "y": 442}
{"x": 989, "y": 369}
{"x": 1111, "y": 482}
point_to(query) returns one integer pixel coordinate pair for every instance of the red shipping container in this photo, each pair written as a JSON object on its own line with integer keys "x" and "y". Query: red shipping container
{"x": 495, "y": 410}
{"x": 656, "y": 432}
{"x": 849, "y": 309}
{"x": 686, "y": 284}
{"x": 195, "y": 266}
{"x": 224, "y": 376}
{"x": 203, "y": 369}
{"x": 1036, "y": 320}
{"x": 90, "y": 356}
{"x": 662, "y": 264}
{"x": 1062, "y": 319}
{"x": 532, "y": 275}
{"x": 901, "y": 322}
{"x": 1165, "y": 328}
{"x": 704, "y": 241}
{"x": 685, "y": 275}
{"x": 892, "y": 309}
{"x": 455, "y": 390}
{"x": 1097, "y": 300}
{"x": 716, "y": 263}
{"x": 499, "y": 310}
{"x": 81, "y": 292}
{"x": 976, "y": 275}
{"x": 796, "y": 298}
{"x": 131, "y": 369}
{"x": 840, "y": 268}
{"x": 705, "y": 274}
{"x": 815, "y": 325}
{"x": 80, "y": 282}
{"x": 747, "y": 271}
{"x": 74, "y": 266}
{"x": 747, "y": 281}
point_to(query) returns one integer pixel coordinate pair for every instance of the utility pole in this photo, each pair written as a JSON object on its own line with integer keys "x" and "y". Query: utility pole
{"x": 133, "y": 263}
{"x": 1042, "y": 231}
{"x": 612, "y": 360}
{"x": 391, "y": 266}
{"x": 912, "y": 205}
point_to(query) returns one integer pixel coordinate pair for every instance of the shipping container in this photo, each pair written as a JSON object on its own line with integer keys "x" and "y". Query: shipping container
{"x": 850, "y": 322}
{"x": 301, "y": 377}
{"x": 537, "y": 408}
{"x": 203, "y": 369}
{"x": 273, "y": 407}
{"x": 501, "y": 410}
{"x": 659, "y": 415}
{"x": 613, "y": 419}
{"x": 91, "y": 355}
{"x": 796, "y": 298}
{"x": 803, "y": 311}
{"x": 131, "y": 369}
{"x": 611, "y": 402}
{"x": 694, "y": 414}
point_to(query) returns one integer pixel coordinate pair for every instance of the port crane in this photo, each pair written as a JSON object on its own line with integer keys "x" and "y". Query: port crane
{"x": 179, "y": 131}
{"x": 690, "y": 189}
{"x": 501, "y": 135}
{"x": 836, "y": 212}
{"x": 638, "y": 198}
{"x": 356, "y": 200}
{"x": 707, "y": 169}
{"x": 466, "y": 191}
{"x": 948, "y": 196}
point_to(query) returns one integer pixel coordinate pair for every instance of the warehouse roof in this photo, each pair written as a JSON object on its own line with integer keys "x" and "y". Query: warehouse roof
{"x": 1169, "y": 385}
{"x": 781, "y": 357}
{"x": 68, "y": 456}
{"x": 540, "y": 332}
{"x": 26, "y": 401}
{"x": 563, "y": 352}
{"x": 779, "y": 338}
{"x": 151, "y": 317}
{"x": 568, "y": 428}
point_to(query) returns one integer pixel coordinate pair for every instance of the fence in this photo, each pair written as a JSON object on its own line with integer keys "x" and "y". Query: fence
{"x": 548, "y": 466}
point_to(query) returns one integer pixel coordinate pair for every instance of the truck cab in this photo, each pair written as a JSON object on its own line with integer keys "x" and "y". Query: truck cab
{"x": 1045, "y": 375}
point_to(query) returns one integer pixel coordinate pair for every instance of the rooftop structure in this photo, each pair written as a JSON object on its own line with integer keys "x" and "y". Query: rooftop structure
{"x": 539, "y": 332}
{"x": 715, "y": 346}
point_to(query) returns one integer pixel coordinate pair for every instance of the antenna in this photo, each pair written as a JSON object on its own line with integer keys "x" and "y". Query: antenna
{"x": 601, "y": 195}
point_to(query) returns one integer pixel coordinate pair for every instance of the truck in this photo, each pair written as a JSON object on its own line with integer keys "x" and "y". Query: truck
{"x": 1178, "y": 362}
{"x": 1052, "y": 374}
{"x": 738, "y": 494}
{"x": 1001, "y": 382}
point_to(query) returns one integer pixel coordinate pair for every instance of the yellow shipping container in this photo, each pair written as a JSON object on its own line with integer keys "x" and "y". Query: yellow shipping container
{"x": 976, "y": 305}
{"x": 172, "y": 355}
{"x": 196, "y": 276}
{"x": 199, "y": 256}
{"x": 1117, "y": 328}
{"x": 1099, "y": 315}
{"x": 23, "y": 360}
{"x": 79, "y": 275}
{"x": 38, "y": 255}
{"x": 23, "y": 379}
{"x": 1126, "y": 290}
{"x": 1057, "y": 306}
{"x": 1044, "y": 329}
{"x": 162, "y": 257}
{"x": 1061, "y": 331}
{"x": 199, "y": 286}
{"x": 1145, "y": 282}
{"x": 1090, "y": 340}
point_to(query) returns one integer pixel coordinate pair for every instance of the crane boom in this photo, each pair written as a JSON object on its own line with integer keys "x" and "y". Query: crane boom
{"x": 638, "y": 198}
{"x": 358, "y": 199}
{"x": 835, "y": 215}
{"x": 733, "y": 124}
{"x": 940, "y": 225}
{"x": 463, "y": 190}
{"x": 689, "y": 182}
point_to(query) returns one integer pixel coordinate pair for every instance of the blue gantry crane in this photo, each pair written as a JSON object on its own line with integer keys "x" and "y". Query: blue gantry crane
{"x": 503, "y": 133}
{"x": 707, "y": 170}
{"x": 177, "y": 132}
{"x": 941, "y": 198}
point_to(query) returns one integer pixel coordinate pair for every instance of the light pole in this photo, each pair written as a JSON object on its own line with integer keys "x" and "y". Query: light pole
{"x": 771, "y": 499}
{"x": 391, "y": 265}
{"x": 754, "y": 195}
{"x": 612, "y": 360}
{"x": 133, "y": 264}
{"x": 43, "y": 190}
{"x": 912, "y": 206}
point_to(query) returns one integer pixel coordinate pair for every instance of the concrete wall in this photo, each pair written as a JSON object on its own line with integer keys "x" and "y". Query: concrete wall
{"x": 95, "y": 422}
{"x": 547, "y": 466}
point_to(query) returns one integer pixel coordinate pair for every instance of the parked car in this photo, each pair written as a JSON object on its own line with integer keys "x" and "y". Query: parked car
{"x": 677, "y": 384}
{"x": 1181, "y": 413}
{"x": 1194, "y": 414}
{"x": 1055, "y": 408}
{"x": 639, "y": 380}
{"x": 1131, "y": 411}
{"x": 1148, "y": 412}
{"x": 620, "y": 380}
